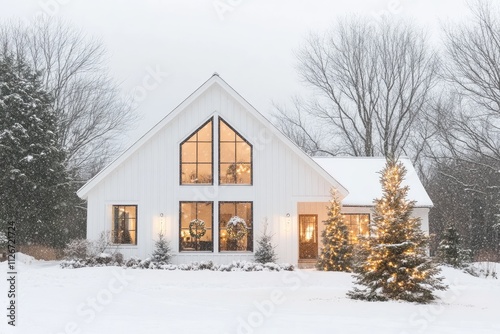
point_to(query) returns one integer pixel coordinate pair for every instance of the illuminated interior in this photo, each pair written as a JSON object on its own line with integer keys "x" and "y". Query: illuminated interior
{"x": 124, "y": 224}
{"x": 227, "y": 210}
{"x": 196, "y": 156}
{"x": 357, "y": 224}
{"x": 235, "y": 157}
{"x": 196, "y": 210}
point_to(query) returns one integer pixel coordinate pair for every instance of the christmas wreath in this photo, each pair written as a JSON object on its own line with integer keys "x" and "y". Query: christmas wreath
{"x": 197, "y": 228}
{"x": 236, "y": 228}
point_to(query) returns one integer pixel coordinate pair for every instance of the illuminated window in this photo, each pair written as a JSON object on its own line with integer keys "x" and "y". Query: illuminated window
{"x": 235, "y": 157}
{"x": 239, "y": 238}
{"x": 124, "y": 224}
{"x": 196, "y": 226}
{"x": 357, "y": 224}
{"x": 196, "y": 156}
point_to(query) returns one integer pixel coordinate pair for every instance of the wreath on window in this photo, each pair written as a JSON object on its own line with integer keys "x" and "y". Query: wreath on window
{"x": 197, "y": 228}
{"x": 236, "y": 228}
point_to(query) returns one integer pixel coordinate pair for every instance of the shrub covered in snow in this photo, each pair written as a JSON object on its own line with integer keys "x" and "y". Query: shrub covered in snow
{"x": 135, "y": 263}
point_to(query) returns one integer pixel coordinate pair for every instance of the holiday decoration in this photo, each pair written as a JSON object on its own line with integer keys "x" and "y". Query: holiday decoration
{"x": 197, "y": 228}
{"x": 236, "y": 228}
{"x": 265, "y": 252}
{"x": 336, "y": 254}
{"x": 392, "y": 263}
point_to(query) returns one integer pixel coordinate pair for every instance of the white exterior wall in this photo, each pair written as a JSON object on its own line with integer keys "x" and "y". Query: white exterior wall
{"x": 149, "y": 178}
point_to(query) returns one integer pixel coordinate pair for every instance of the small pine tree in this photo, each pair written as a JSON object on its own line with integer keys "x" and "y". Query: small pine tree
{"x": 336, "y": 254}
{"x": 449, "y": 251}
{"x": 265, "y": 252}
{"x": 161, "y": 254}
{"x": 395, "y": 264}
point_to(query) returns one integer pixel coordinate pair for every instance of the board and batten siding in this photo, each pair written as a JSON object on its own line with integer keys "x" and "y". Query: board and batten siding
{"x": 149, "y": 178}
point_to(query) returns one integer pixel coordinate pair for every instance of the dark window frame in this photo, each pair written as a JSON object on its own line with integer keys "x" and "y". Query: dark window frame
{"x": 251, "y": 230}
{"x": 180, "y": 226}
{"x": 210, "y": 120}
{"x": 114, "y": 222}
{"x": 235, "y": 155}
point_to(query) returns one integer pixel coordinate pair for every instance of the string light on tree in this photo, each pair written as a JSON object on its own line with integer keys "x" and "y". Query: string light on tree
{"x": 392, "y": 263}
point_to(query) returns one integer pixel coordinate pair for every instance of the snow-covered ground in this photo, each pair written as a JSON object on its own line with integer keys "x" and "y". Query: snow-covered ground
{"x": 127, "y": 301}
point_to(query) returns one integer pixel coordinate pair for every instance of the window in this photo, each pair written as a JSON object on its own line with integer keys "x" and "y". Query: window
{"x": 196, "y": 226}
{"x": 124, "y": 224}
{"x": 235, "y": 157}
{"x": 357, "y": 224}
{"x": 239, "y": 237}
{"x": 196, "y": 156}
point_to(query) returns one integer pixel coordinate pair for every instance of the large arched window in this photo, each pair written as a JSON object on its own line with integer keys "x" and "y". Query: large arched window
{"x": 196, "y": 156}
{"x": 235, "y": 156}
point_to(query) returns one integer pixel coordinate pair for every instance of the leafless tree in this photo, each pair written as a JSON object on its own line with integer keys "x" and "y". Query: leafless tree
{"x": 371, "y": 84}
{"x": 92, "y": 114}
{"x": 473, "y": 54}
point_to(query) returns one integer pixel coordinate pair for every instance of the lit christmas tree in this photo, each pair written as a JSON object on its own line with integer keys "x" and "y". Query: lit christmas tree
{"x": 393, "y": 261}
{"x": 336, "y": 254}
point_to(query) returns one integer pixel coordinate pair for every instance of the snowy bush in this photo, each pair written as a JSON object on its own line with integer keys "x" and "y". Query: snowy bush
{"x": 482, "y": 269}
{"x": 77, "y": 249}
{"x": 135, "y": 263}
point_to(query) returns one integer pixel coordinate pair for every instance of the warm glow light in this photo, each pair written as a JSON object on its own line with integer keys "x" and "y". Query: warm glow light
{"x": 309, "y": 232}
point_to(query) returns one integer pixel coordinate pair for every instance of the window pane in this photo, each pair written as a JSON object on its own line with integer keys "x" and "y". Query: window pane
{"x": 227, "y": 173}
{"x": 204, "y": 174}
{"x": 204, "y": 152}
{"x": 235, "y": 157}
{"x": 205, "y": 133}
{"x": 198, "y": 238}
{"x": 244, "y": 174}
{"x": 243, "y": 152}
{"x": 197, "y": 150}
{"x": 357, "y": 225}
{"x": 188, "y": 152}
{"x": 241, "y": 238}
{"x": 226, "y": 133}
{"x": 188, "y": 173}
{"x": 227, "y": 152}
{"x": 124, "y": 227}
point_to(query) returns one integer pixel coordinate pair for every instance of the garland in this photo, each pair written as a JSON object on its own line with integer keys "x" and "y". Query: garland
{"x": 197, "y": 228}
{"x": 236, "y": 228}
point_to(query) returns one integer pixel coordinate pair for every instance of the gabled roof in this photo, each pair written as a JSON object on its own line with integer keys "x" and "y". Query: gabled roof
{"x": 214, "y": 80}
{"x": 361, "y": 176}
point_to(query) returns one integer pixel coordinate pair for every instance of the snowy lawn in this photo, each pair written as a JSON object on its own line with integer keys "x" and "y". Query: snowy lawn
{"x": 128, "y": 301}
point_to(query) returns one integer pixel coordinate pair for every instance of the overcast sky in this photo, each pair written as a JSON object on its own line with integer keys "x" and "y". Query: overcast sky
{"x": 250, "y": 43}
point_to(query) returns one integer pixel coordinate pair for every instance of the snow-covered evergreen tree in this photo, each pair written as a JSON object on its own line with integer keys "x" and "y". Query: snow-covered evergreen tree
{"x": 162, "y": 252}
{"x": 394, "y": 262}
{"x": 336, "y": 253}
{"x": 33, "y": 181}
{"x": 449, "y": 251}
{"x": 265, "y": 252}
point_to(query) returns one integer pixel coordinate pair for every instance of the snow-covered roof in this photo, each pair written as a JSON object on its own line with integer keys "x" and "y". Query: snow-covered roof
{"x": 361, "y": 177}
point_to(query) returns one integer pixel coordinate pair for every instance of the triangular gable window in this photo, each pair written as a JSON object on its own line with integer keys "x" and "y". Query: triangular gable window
{"x": 196, "y": 156}
{"x": 235, "y": 156}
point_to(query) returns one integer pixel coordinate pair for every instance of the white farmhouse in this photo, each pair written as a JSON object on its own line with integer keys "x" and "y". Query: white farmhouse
{"x": 215, "y": 157}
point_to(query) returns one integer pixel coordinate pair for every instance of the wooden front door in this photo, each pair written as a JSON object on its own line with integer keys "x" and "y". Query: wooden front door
{"x": 308, "y": 237}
